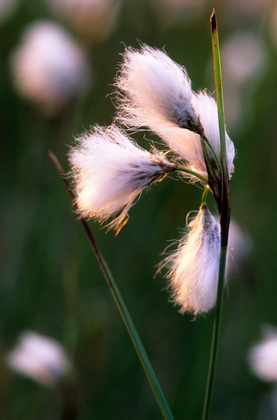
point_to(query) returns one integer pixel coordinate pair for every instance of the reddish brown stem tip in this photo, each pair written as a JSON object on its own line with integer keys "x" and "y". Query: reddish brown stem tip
{"x": 213, "y": 21}
{"x": 56, "y": 162}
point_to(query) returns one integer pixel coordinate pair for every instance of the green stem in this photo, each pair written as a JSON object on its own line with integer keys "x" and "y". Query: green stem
{"x": 205, "y": 195}
{"x": 188, "y": 171}
{"x": 206, "y": 142}
{"x": 224, "y": 207}
{"x": 218, "y": 82}
{"x": 147, "y": 367}
{"x": 224, "y": 224}
{"x": 215, "y": 336}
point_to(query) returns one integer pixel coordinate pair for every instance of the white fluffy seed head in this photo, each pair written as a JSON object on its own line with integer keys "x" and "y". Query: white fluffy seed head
{"x": 40, "y": 358}
{"x": 110, "y": 171}
{"x": 193, "y": 271}
{"x": 155, "y": 92}
{"x": 152, "y": 89}
{"x": 48, "y": 66}
{"x": 187, "y": 146}
{"x": 205, "y": 108}
{"x": 263, "y": 357}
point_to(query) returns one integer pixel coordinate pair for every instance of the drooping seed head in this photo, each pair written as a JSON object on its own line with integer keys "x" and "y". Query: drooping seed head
{"x": 110, "y": 171}
{"x": 193, "y": 273}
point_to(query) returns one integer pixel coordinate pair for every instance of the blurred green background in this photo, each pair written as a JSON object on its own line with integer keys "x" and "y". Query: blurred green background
{"x": 50, "y": 281}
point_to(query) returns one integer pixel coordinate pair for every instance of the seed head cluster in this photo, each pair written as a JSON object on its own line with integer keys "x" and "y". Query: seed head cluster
{"x": 110, "y": 170}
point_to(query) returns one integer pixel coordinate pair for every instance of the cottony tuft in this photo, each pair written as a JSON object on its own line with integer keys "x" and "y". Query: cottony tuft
{"x": 110, "y": 171}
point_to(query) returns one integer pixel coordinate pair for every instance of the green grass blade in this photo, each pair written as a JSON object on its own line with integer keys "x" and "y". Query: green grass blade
{"x": 218, "y": 82}
{"x": 147, "y": 367}
{"x": 225, "y": 211}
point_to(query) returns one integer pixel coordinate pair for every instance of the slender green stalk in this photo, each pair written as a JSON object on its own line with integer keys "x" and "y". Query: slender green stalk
{"x": 218, "y": 82}
{"x": 215, "y": 337}
{"x": 205, "y": 143}
{"x": 225, "y": 211}
{"x": 188, "y": 171}
{"x": 205, "y": 195}
{"x": 147, "y": 367}
{"x": 224, "y": 205}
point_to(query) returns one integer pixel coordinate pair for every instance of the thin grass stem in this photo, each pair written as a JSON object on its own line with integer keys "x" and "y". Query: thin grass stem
{"x": 205, "y": 142}
{"x": 225, "y": 212}
{"x": 205, "y": 195}
{"x": 145, "y": 362}
{"x": 215, "y": 338}
{"x": 195, "y": 174}
{"x": 218, "y": 82}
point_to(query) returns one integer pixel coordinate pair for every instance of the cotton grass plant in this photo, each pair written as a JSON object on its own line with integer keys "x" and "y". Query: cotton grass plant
{"x": 41, "y": 358}
{"x": 109, "y": 171}
{"x": 49, "y": 67}
{"x": 44, "y": 360}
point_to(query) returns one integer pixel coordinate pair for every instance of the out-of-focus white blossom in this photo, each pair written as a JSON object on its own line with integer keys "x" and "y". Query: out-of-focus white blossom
{"x": 7, "y": 7}
{"x": 244, "y": 57}
{"x": 247, "y": 9}
{"x": 179, "y": 12}
{"x": 156, "y": 92}
{"x": 110, "y": 171}
{"x": 48, "y": 66}
{"x": 40, "y": 358}
{"x": 272, "y": 24}
{"x": 263, "y": 356}
{"x": 194, "y": 266}
{"x": 240, "y": 248}
{"x": 94, "y": 19}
